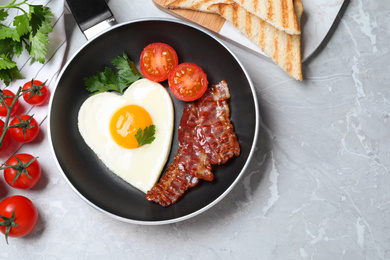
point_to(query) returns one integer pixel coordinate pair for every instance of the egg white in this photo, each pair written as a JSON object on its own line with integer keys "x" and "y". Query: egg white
{"x": 141, "y": 167}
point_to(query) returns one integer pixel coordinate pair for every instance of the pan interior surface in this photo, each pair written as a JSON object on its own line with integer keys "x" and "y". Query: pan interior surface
{"x": 90, "y": 178}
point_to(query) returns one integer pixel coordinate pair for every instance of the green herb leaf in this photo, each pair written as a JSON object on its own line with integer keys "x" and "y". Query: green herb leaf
{"x": 6, "y": 47}
{"x": 3, "y": 15}
{"x": 8, "y": 70}
{"x": 38, "y": 46}
{"x": 8, "y": 32}
{"x": 146, "y": 136}
{"x": 102, "y": 81}
{"x": 118, "y": 81}
{"x": 41, "y": 27}
{"x": 46, "y": 15}
{"x": 6, "y": 63}
{"x": 39, "y": 19}
{"x": 30, "y": 32}
{"x": 126, "y": 68}
{"x": 21, "y": 24}
{"x": 17, "y": 48}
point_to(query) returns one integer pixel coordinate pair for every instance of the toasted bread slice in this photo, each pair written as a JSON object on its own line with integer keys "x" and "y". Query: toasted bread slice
{"x": 283, "y": 48}
{"x": 279, "y": 13}
{"x": 195, "y": 5}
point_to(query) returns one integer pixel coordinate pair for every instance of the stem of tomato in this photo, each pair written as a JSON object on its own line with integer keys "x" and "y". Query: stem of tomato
{"x": 9, "y": 109}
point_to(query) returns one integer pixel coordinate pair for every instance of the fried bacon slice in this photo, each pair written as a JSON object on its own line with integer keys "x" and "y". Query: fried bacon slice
{"x": 191, "y": 156}
{"x": 171, "y": 185}
{"x": 214, "y": 130}
{"x": 206, "y": 137}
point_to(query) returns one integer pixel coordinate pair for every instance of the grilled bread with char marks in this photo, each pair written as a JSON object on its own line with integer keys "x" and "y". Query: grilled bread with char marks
{"x": 279, "y": 13}
{"x": 283, "y": 48}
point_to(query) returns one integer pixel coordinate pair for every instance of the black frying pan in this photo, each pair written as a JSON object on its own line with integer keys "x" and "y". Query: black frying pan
{"x": 89, "y": 177}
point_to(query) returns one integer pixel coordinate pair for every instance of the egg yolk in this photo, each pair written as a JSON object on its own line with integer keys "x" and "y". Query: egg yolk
{"x": 125, "y": 123}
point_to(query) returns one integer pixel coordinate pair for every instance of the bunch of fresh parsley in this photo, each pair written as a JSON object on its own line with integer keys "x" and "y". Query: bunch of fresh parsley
{"x": 28, "y": 31}
{"x": 108, "y": 80}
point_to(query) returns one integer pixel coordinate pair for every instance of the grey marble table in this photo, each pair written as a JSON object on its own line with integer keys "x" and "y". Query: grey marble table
{"x": 318, "y": 186}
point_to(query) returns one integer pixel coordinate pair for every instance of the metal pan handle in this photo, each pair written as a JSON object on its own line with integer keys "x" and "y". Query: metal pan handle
{"x": 92, "y": 16}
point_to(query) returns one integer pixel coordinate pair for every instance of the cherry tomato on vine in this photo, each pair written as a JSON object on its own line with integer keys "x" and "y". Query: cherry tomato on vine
{"x": 157, "y": 60}
{"x": 35, "y": 92}
{"x": 22, "y": 171}
{"x": 187, "y": 81}
{"x": 8, "y": 97}
{"x": 18, "y": 216}
{"x": 24, "y": 128}
{"x": 6, "y": 139}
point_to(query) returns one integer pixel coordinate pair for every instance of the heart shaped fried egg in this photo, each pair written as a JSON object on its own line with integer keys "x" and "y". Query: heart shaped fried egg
{"x": 108, "y": 122}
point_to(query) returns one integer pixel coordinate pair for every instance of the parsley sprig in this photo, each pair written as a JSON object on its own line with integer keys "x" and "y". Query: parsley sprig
{"x": 145, "y": 136}
{"x": 107, "y": 80}
{"x": 29, "y": 30}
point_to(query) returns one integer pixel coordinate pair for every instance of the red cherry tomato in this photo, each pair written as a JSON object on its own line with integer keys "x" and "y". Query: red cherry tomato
{"x": 8, "y": 97}
{"x": 187, "y": 82}
{"x": 35, "y": 92}
{"x": 19, "y": 214}
{"x": 7, "y": 138}
{"x": 22, "y": 171}
{"x": 24, "y": 128}
{"x": 157, "y": 60}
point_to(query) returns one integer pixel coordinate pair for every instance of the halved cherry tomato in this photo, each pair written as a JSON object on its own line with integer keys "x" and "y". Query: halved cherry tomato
{"x": 187, "y": 81}
{"x": 8, "y": 97}
{"x": 7, "y": 138}
{"x": 22, "y": 171}
{"x": 157, "y": 60}
{"x": 24, "y": 128}
{"x": 35, "y": 92}
{"x": 18, "y": 216}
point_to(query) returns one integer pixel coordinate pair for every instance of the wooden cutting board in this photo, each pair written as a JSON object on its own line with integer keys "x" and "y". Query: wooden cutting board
{"x": 315, "y": 25}
{"x": 213, "y": 22}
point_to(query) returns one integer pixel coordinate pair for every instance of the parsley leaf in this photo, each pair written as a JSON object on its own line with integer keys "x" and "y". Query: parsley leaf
{"x": 146, "y": 136}
{"x": 6, "y": 63}
{"x": 40, "y": 18}
{"x": 17, "y": 48}
{"x": 21, "y": 24}
{"x": 8, "y": 70}
{"x": 6, "y": 47}
{"x": 8, "y": 32}
{"x": 102, "y": 81}
{"x": 38, "y": 46}
{"x": 41, "y": 27}
{"x": 108, "y": 80}
{"x": 3, "y": 14}
{"x": 30, "y": 31}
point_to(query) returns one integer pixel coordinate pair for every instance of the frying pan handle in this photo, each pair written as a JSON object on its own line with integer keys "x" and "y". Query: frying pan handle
{"x": 92, "y": 16}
